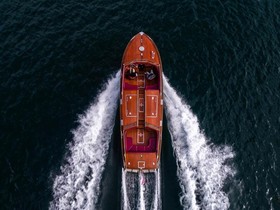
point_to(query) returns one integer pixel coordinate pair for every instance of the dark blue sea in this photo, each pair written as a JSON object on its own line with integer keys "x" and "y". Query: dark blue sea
{"x": 59, "y": 125}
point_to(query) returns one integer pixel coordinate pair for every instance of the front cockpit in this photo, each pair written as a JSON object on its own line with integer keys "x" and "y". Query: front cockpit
{"x": 139, "y": 75}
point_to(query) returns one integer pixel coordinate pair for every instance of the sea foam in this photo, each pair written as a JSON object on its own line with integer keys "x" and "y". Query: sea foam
{"x": 141, "y": 190}
{"x": 202, "y": 167}
{"x": 78, "y": 184}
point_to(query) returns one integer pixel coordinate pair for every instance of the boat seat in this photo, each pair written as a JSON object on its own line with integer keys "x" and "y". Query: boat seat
{"x": 129, "y": 86}
{"x": 151, "y": 147}
{"x": 152, "y": 87}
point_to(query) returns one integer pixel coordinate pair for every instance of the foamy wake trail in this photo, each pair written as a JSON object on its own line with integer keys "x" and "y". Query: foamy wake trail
{"x": 78, "y": 185}
{"x": 141, "y": 191}
{"x": 202, "y": 167}
{"x": 141, "y": 205}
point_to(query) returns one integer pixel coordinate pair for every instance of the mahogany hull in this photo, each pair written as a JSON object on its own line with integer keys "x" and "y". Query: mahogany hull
{"x": 141, "y": 105}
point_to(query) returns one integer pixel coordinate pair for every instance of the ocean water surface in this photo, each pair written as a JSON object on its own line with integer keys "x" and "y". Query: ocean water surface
{"x": 58, "y": 97}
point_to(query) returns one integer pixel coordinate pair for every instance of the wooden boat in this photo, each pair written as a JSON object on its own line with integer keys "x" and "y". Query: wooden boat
{"x": 141, "y": 105}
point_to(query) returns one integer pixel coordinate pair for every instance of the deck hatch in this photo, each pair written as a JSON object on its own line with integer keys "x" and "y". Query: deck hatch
{"x": 141, "y": 164}
{"x": 152, "y": 105}
{"x": 131, "y": 105}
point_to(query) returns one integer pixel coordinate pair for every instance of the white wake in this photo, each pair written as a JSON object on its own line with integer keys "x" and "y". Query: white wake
{"x": 78, "y": 185}
{"x": 141, "y": 205}
{"x": 202, "y": 167}
{"x": 141, "y": 190}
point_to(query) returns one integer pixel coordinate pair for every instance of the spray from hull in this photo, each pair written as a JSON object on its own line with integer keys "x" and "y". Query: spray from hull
{"x": 201, "y": 167}
{"x": 78, "y": 185}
